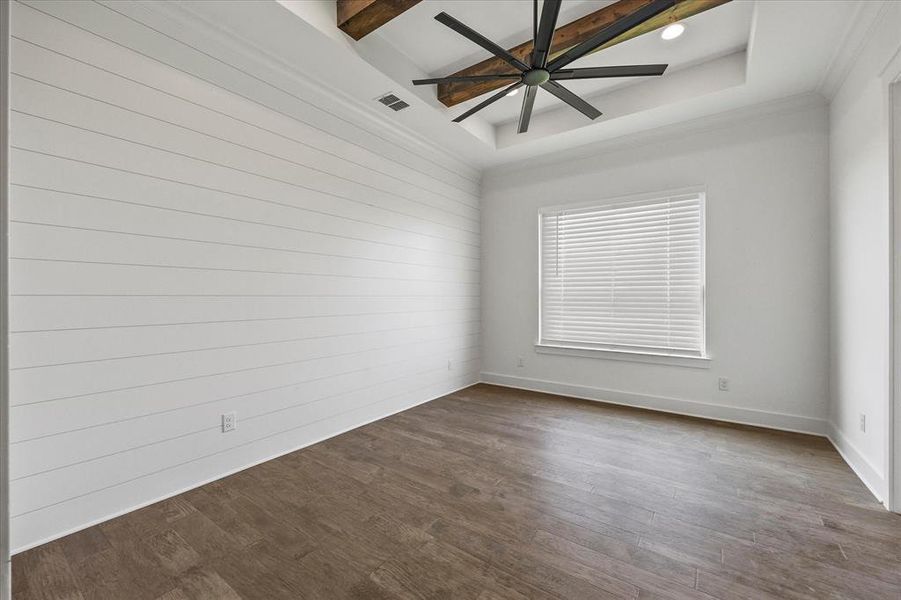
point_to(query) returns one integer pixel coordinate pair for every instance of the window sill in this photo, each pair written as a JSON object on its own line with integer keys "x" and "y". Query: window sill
{"x": 694, "y": 362}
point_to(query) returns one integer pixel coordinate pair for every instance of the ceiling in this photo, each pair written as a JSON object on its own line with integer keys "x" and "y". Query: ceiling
{"x": 740, "y": 54}
{"x": 439, "y": 51}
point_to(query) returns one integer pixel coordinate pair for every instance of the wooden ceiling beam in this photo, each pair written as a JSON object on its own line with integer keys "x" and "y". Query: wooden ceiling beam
{"x": 357, "y": 18}
{"x": 567, "y": 36}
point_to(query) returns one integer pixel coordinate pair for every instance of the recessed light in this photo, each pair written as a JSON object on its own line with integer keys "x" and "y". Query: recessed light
{"x": 513, "y": 92}
{"x": 671, "y": 32}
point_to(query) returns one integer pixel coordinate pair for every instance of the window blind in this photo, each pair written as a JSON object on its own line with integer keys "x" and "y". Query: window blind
{"x": 625, "y": 275}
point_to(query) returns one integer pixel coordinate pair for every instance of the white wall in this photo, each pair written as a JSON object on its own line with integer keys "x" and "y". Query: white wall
{"x": 5, "y": 583}
{"x": 860, "y": 253}
{"x": 189, "y": 239}
{"x": 767, "y": 287}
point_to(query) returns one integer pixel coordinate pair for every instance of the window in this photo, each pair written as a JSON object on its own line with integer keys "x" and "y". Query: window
{"x": 625, "y": 275}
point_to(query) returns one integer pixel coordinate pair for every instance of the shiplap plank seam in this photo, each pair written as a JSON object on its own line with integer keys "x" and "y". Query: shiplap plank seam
{"x": 293, "y": 96}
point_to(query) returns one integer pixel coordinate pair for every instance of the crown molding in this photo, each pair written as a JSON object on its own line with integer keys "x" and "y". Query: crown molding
{"x": 700, "y": 125}
{"x": 866, "y": 17}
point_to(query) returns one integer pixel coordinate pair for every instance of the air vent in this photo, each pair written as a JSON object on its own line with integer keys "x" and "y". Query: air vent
{"x": 389, "y": 99}
{"x": 392, "y": 102}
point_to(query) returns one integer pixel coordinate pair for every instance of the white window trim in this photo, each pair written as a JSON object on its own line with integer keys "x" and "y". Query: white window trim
{"x": 659, "y": 358}
{"x": 691, "y": 359}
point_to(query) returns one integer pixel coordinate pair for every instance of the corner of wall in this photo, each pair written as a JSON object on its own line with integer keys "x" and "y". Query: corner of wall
{"x": 855, "y": 459}
{"x": 859, "y": 169}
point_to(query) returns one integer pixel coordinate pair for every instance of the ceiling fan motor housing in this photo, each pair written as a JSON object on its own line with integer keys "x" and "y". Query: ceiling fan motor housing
{"x": 535, "y": 77}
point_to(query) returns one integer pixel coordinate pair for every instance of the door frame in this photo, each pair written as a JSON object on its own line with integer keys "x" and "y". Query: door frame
{"x": 891, "y": 81}
{"x": 893, "y": 470}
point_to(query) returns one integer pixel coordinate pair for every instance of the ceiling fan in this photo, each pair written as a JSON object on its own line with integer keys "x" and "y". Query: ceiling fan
{"x": 541, "y": 70}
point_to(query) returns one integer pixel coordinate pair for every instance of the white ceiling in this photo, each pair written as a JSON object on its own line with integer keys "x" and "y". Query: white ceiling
{"x": 439, "y": 51}
{"x": 740, "y": 54}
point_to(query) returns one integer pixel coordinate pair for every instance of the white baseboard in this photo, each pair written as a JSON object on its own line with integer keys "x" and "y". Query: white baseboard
{"x": 227, "y": 473}
{"x": 784, "y": 422}
{"x": 862, "y": 467}
{"x": 679, "y": 406}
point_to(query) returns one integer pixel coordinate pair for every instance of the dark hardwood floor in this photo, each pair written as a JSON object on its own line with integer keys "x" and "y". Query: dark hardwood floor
{"x": 492, "y": 493}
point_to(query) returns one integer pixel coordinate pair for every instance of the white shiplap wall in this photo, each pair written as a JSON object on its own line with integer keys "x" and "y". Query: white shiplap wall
{"x": 190, "y": 237}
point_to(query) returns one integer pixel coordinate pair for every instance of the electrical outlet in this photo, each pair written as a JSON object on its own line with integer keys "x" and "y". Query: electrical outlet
{"x": 519, "y": 362}
{"x": 229, "y": 422}
{"x": 863, "y": 422}
{"x": 449, "y": 365}
{"x": 723, "y": 384}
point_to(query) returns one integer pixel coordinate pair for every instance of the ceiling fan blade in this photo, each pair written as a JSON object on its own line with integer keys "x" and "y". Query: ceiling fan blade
{"x": 571, "y": 99}
{"x": 542, "y": 43}
{"x": 601, "y": 72}
{"x": 481, "y": 40}
{"x": 615, "y": 29}
{"x": 455, "y": 78}
{"x": 528, "y": 100}
{"x": 490, "y": 100}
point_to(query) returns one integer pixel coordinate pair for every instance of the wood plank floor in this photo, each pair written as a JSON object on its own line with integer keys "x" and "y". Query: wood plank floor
{"x": 492, "y": 493}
